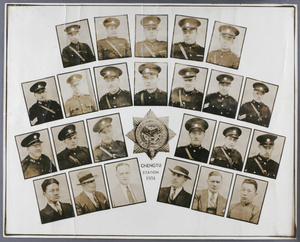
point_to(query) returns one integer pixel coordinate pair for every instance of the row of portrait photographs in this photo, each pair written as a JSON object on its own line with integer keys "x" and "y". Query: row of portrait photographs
{"x": 230, "y": 146}
{"x": 150, "y": 89}
{"x": 151, "y": 40}
{"x": 71, "y": 145}
{"x": 212, "y": 191}
{"x": 89, "y": 190}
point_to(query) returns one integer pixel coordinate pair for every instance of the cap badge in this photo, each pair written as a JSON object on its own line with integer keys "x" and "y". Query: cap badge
{"x": 147, "y": 70}
{"x": 150, "y": 22}
{"x": 112, "y": 22}
{"x": 39, "y": 86}
{"x": 268, "y": 140}
{"x": 225, "y": 78}
{"x": 187, "y": 73}
{"x": 227, "y": 30}
{"x": 196, "y": 125}
{"x": 108, "y": 72}
{"x": 69, "y": 131}
{"x": 72, "y": 29}
{"x": 35, "y": 137}
{"x": 103, "y": 122}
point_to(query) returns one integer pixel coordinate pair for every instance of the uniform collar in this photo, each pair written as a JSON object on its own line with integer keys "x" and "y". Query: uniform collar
{"x": 220, "y": 95}
{"x": 195, "y": 147}
{"x": 191, "y": 45}
{"x": 34, "y": 160}
{"x": 255, "y": 102}
{"x": 150, "y": 43}
{"x": 188, "y": 93}
{"x": 107, "y": 145}
{"x": 156, "y": 91}
{"x": 226, "y": 149}
{"x": 117, "y": 93}
{"x": 74, "y": 45}
{"x": 226, "y": 51}
{"x": 74, "y": 150}
{"x": 262, "y": 159}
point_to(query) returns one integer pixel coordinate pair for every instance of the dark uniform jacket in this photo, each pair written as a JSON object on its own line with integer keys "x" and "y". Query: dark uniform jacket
{"x": 193, "y": 51}
{"x": 48, "y": 214}
{"x": 112, "y": 48}
{"x": 218, "y": 158}
{"x": 32, "y": 167}
{"x": 72, "y": 158}
{"x": 216, "y": 103}
{"x": 85, "y": 205}
{"x": 122, "y": 98}
{"x": 40, "y": 111}
{"x": 247, "y": 212}
{"x": 259, "y": 115}
{"x": 269, "y": 167}
{"x": 183, "y": 198}
{"x": 156, "y": 98}
{"x": 196, "y": 153}
{"x": 151, "y": 49}
{"x": 70, "y": 58}
{"x": 79, "y": 105}
{"x": 226, "y": 58}
{"x": 116, "y": 149}
{"x": 189, "y": 100}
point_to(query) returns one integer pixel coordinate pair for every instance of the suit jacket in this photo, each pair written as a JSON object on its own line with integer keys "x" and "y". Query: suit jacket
{"x": 119, "y": 199}
{"x": 85, "y": 205}
{"x": 48, "y": 214}
{"x": 201, "y": 201}
{"x": 183, "y": 198}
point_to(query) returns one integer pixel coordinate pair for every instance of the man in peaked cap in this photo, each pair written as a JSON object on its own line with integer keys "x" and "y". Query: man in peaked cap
{"x": 221, "y": 103}
{"x": 187, "y": 96}
{"x": 108, "y": 148}
{"x": 116, "y": 97}
{"x": 175, "y": 194}
{"x": 79, "y": 103}
{"x": 256, "y": 111}
{"x": 44, "y": 110}
{"x": 112, "y": 47}
{"x": 194, "y": 151}
{"x": 224, "y": 56}
{"x": 151, "y": 47}
{"x": 226, "y": 156}
{"x": 151, "y": 95}
{"x": 35, "y": 163}
{"x": 73, "y": 155}
{"x": 76, "y": 52}
{"x": 261, "y": 164}
{"x": 188, "y": 49}
{"x": 89, "y": 200}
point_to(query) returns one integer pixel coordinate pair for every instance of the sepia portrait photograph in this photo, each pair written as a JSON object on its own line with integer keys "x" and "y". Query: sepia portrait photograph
{"x": 89, "y": 190}
{"x": 223, "y": 94}
{"x": 75, "y": 43}
{"x": 77, "y": 92}
{"x": 189, "y": 38}
{"x": 265, "y": 154}
{"x": 35, "y": 152}
{"x": 107, "y": 137}
{"x": 226, "y": 45}
{"x": 71, "y": 145}
{"x": 53, "y": 198}
{"x": 257, "y": 102}
{"x": 247, "y": 199}
{"x": 195, "y": 138}
{"x": 112, "y": 35}
{"x": 113, "y": 86}
{"x": 150, "y": 84}
{"x": 125, "y": 183}
{"x": 212, "y": 191}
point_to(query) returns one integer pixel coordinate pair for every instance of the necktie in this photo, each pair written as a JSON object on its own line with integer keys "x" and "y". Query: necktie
{"x": 212, "y": 201}
{"x": 129, "y": 195}
{"x": 171, "y": 197}
{"x": 96, "y": 201}
{"x": 58, "y": 208}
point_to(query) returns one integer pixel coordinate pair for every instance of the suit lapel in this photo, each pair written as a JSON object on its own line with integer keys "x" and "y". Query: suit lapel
{"x": 204, "y": 200}
{"x": 89, "y": 204}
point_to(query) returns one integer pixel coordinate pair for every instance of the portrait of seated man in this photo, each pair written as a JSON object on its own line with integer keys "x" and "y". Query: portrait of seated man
{"x": 152, "y": 95}
{"x": 151, "y": 46}
{"x": 113, "y": 46}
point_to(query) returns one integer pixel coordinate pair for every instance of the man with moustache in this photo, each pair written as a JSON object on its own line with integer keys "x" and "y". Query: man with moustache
{"x": 188, "y": 49}
{"x": 73, "y": 155}
{"x": 194, "y": 151}
{"x": 187, "y": 96}
{"x": 226, "y": 156}
{"x": 76, "y": 52}
{"x": 151, "y": 47}
{"x": 112, "y": 47}
{"x": 210, "y": 200}
{"x": 116, "y": 97}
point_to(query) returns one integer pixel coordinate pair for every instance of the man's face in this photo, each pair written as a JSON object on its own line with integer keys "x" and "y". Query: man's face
{"x": 230, "y": 142}
{"x": 89, "y": 186}
{"x": 41, "y": 96}
{"x": 177, "y": 180}
{"x": 189, "y": 83}
{"x": 74, "y": 37}
{"x": 124, "y": 174}
{"x": 71, "y": 142}
{"x": 196, "y": 137}
{"x": 258, "y": 96}
{"x": 112, "y": 84}
{"x": 224, "y": 88}
{"x": 247, "y": 193}
{"x": 150, "y": 81}
{"x": 189, "y": 36}
{"x": 52, "y": 193}
{"x": 266, "y": 151}
{"x": 214, "y": 183}
{"x": 76, "y": 87}
{"x": 150, "y": 33}
{"x": 226, "y": 41}
{"x": 106, "y": 135}
{"x": 112, "y": 31}
{"x": 35, "y": 150}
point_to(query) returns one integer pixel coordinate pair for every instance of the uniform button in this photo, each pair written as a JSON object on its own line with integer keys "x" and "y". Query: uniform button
{"x": 193, "y": 108}
{"x": 149, "y": 97}
{"x": 254, "y": 172}
{"x": 213, "y": 106}
{"x": 115, "y": 106}
{"x": 222, "y": 105}
{"x": 43, "y": 114}
{"x": 81, "y": 104}
{"x": 52, "y": 116}
{"x": 222, "y": 98}
{"x": 221, "y": 112}
{"x": 250, "y": 116}
{"x": 194, "y": 150}
{"x": 185, "y": 95}
{"x": 265, "y": 163}
{"x": 183, "y": 102}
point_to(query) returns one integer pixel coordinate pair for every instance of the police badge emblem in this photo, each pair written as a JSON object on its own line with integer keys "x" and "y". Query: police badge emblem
{"x": 150, "y": 134}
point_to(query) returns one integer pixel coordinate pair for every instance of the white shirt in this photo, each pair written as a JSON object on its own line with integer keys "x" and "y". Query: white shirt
{"x": 124, "y": 189}
{"x": 91, "y": 197}
{"x": 54, "y": 207}
{"x": 215, "y": 198}
{"x": 178, "y": 190}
